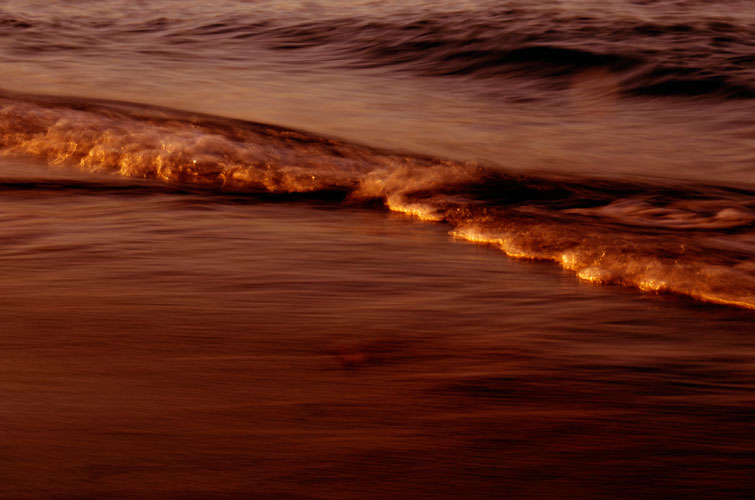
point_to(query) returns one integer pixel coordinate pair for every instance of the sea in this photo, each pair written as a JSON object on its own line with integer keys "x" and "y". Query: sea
{"x": 398, "y": 249}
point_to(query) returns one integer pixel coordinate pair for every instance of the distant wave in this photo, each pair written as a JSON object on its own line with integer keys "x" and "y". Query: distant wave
{"x": 694, "y": 240}
{"x": 680, "y": 57}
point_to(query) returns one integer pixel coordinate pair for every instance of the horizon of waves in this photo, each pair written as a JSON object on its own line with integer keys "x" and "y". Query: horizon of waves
{"x": 692, "y": 240}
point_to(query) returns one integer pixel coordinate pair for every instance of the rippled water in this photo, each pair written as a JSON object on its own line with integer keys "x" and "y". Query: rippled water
{"x": 377, "y": 249}
{"x": 596, "y": 87}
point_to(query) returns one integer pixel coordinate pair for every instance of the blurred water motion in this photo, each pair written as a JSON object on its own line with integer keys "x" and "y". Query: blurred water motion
{"x": 186, "y": 345}
{"x": 337, "y": 250}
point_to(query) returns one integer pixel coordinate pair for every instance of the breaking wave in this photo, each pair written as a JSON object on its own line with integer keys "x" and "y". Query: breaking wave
{"x": 660, "y": 237}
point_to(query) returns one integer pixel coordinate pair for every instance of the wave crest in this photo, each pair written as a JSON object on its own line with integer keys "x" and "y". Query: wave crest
{"x": 686, "y": 240}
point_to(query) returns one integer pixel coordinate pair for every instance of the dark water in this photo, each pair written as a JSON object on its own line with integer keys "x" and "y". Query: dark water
{"x": 197, "y": 303}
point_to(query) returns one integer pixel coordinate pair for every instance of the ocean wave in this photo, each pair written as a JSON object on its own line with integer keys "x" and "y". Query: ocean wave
{"x": 686, "y": 56}
{"x": 694, "y": 240}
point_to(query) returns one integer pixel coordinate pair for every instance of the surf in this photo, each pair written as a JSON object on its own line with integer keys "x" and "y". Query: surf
{"x": 688, "y": 239}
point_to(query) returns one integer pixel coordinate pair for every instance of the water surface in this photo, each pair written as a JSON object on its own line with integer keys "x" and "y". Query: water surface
{"x": 377, "y": 250}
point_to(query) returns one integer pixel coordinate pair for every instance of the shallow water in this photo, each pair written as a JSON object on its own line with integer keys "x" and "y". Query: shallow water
{"x": 187, "y": 345}
{"x": 487, "y": 250}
